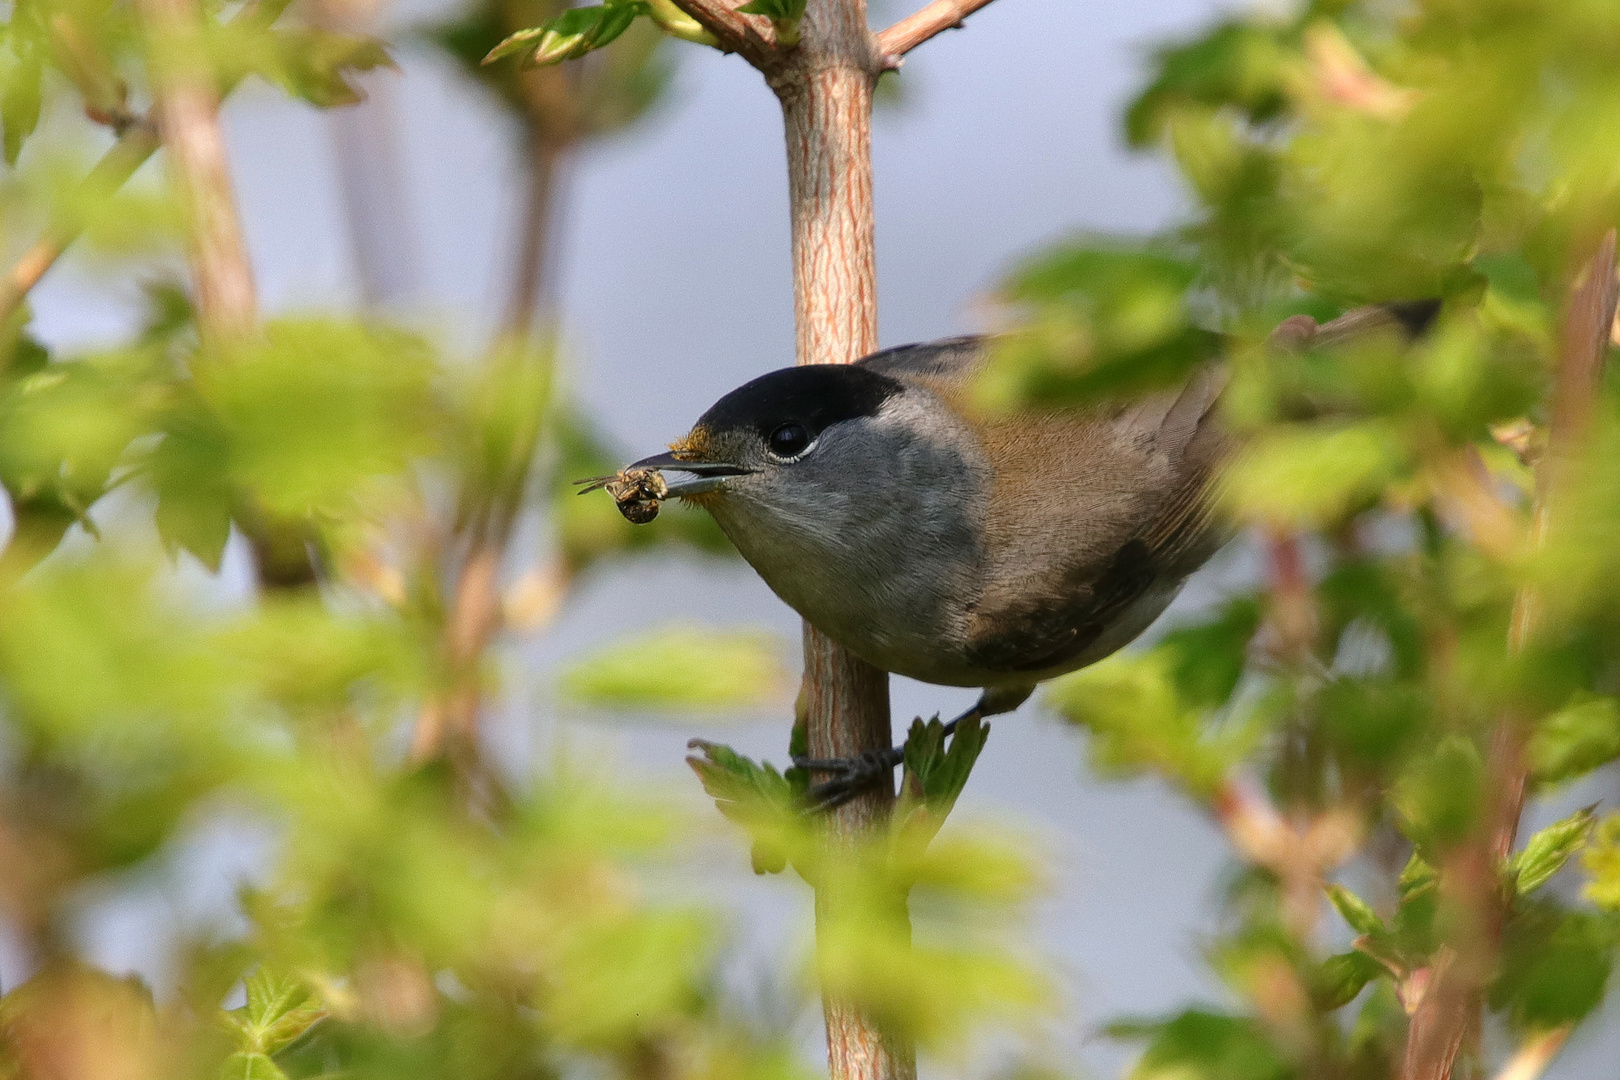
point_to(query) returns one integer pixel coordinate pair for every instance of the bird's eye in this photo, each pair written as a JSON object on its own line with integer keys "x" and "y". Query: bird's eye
{"x": 789, "y": 441}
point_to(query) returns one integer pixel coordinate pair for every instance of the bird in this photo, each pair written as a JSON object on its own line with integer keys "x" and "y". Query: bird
{"x": 956, "y": 547}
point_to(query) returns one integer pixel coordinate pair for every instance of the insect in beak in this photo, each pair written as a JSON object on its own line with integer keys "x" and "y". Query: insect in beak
{"x": 638, "y": 489}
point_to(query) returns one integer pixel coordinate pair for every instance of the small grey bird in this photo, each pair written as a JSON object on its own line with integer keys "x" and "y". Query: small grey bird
{"x": 939, "y": 544}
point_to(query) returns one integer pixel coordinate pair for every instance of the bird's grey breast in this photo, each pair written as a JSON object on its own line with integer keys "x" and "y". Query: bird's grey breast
{"x": 871, "y": 537}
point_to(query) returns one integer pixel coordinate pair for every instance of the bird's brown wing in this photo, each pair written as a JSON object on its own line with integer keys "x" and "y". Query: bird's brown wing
{"x": 1089, "y": 515}
{"x": 950, "y": 359}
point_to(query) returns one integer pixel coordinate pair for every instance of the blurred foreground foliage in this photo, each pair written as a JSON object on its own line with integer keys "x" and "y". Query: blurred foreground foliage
{"x": 268, "y": 576}
{"x": 1431, "y": 488}
{"x": 1435, "y": 498}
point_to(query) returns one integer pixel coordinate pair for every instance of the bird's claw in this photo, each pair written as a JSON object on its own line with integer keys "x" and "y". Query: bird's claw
{"x": 848, "y": 777}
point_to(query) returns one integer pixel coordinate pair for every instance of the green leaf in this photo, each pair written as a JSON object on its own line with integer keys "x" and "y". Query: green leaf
{"x": 757, "y": 797}
{"x": 934, "y": 774}
{"x": 682, "y": 666}
{"x": 1209, "y": 658}
{"x": 1355, "y": 911}
{"x": 280, "y": 1010}
{"x": 1576, "y": 740}
{"x": 1131, "y": 704}
{"x": 1104, "y": 318}
{"x": 20, "y": 98}
{"x": 515, "y": 42}
{"x": 1417, "y": 878}
{"x": 1338, "y": 979}
{"x": 1309, "y": 474}
{"x": 1241, "y": 64}
{"x": 188, "y": 470}
{"x": 1198, "y": 1045}
{"x": 1441, "y": 792}
{"x": 572, "y": 34}
{"x": 1554, "y": 967}
{"x": 317, "y": 65}
{"x": 1548, "y": 850}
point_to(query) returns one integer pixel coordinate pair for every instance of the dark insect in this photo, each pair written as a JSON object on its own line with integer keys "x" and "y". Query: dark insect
{"x": 636, "y": 492}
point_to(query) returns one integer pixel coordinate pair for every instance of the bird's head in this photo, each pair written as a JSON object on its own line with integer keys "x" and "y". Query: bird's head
{"x": 799, "y": 440}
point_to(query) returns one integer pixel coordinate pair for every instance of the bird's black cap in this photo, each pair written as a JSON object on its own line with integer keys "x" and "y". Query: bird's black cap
{"x": 816, "y": 396}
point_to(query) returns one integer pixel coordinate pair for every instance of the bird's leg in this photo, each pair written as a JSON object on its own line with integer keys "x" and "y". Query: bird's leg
{"x": 848, "y": 777}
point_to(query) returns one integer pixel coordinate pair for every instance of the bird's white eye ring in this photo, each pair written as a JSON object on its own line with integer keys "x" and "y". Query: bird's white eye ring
{"x": 790, "y": 442}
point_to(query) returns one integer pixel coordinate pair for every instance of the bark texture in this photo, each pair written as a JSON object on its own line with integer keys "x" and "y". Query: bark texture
{"x": 825, "y": 86}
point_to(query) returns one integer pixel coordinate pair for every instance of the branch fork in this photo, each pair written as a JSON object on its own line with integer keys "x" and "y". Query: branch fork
{"x": 755, "y": 39}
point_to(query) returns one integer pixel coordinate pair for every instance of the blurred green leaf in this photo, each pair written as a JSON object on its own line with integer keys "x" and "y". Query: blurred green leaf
{"x": 280, "y": 1009}
{"x": 1209, "y": 658}
{"x": 1206, "y": 1046}
{"x": 1104, "y": 318}
{"x": 1441, "y": 793}
{"x": 20, "y": 98}
{"x": 1312, "y": 475}
{"x": 1338, "y": 979}
{"x": 1555, "y": 967}
{"x": 324, "y": 417}
{"x": 1235, "y": 63}
{"x": 1138, "y": 721}
{"x": 681, "y": 666}
{"x": 1601, "y": 861}
{"x": 1574, "y": 741}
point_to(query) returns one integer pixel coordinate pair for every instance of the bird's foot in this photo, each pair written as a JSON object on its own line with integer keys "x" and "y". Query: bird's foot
{"x": 846, "y": 777}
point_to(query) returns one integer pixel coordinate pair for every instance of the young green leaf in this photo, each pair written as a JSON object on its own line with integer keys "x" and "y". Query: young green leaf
{"x": 934, "y": 774}
{"x": 1552, "y": 847}
{"x": 572, "y": 34}
{"x": 1356, "y": 911}
{"x": 1338, "y": 979}
{"x": 758, "y": 798}
{"x": 280, "y": 1010}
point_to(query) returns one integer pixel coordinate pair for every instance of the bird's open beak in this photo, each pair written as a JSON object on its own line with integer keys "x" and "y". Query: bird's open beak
{"x": 705, "y": 475}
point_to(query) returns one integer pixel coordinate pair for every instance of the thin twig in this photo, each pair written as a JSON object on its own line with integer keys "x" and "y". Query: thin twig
{"x": 186, "y": 106}
{"x": 1532, "y": 1059}
{"x": 1449, "y": 1011}
{"x": 917, "y": 28}
{"x": 137, "y": 143}
{"x": 749, "y": 36}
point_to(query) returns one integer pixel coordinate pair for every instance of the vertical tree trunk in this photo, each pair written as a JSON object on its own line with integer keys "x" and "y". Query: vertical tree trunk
{"x": 826, "y": 95}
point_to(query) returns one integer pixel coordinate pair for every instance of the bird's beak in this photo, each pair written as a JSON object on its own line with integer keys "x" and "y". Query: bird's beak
{"x": 706, "y": 475}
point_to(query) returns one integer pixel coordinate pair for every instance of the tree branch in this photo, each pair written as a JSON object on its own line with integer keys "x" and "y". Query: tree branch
{"x": 186, "y": 105}
{"x": 914, "y": 29}
{"x": 1470, "y": 877}
{"x": 750, "y": 36}
{"x": 135, "y": 144}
